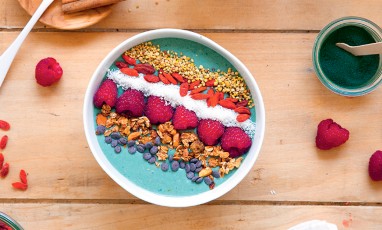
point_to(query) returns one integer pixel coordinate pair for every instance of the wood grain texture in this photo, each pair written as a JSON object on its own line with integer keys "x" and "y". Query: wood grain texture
{"x": 232, "y": 217}
{"x": 55, "y": 17}
{"x": 47, "y": 136}
{"x": 218, "y": 15}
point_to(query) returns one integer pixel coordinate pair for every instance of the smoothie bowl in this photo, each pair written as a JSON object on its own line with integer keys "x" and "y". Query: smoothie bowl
{"x": 174, "y": 118}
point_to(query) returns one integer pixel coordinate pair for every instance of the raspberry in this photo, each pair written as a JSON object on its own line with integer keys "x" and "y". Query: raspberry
{"x": 330, "y": 135}
{"x": 106, "y": 93}
{"x": 209, "y": 131}
{"x": 131, "y": 103}
{"x": 235, "y": 141}
{"x": 48, "y": 71}
{"x": 375, "y": 166}
{"x": 157, "y": 110}
{"x": 184, "y": 119}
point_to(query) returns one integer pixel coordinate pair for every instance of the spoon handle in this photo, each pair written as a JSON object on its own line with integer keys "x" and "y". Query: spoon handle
{"x": 7, "y": 58}
{"x": 368, "y": 49}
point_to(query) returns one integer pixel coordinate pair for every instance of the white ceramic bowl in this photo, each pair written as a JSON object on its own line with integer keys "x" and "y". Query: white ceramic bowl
{"x": 144, "y": 194}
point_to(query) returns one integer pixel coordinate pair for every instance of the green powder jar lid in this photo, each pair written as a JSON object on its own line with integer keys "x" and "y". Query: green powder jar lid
{"x": 340, "y": 71}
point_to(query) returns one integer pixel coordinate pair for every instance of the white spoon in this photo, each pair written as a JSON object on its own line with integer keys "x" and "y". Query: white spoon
{"x": 7, "y": 58}
{"x": 368, "y": 49}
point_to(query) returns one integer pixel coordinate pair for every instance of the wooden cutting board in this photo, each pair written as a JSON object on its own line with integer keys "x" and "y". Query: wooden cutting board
{"x": 55, "y": 17}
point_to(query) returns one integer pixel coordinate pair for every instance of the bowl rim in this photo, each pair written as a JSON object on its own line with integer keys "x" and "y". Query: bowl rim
{"x": 141, "y": 193}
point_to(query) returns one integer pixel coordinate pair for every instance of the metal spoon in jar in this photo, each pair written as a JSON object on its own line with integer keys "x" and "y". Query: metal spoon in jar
{"x": 362, "y": 50}
{"x": 7, "y": 58}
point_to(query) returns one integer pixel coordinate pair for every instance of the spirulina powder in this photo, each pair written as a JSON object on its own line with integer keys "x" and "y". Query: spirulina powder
{"x": 343, "y": 68}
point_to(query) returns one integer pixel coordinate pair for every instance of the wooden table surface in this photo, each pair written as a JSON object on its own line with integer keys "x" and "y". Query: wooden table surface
{"x": 291, "y": 182}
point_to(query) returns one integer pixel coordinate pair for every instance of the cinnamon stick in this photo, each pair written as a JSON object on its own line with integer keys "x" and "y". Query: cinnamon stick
{"x": 72, "y": 6}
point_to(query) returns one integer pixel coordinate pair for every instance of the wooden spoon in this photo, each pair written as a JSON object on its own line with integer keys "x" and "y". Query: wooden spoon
{"x": 368, "y": 49}
{"x": 7, "y": 58}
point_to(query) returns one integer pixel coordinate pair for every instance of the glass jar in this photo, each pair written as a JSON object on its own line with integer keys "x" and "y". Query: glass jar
{"x": 373, "y": 30}
{"x": 10, "y": 222}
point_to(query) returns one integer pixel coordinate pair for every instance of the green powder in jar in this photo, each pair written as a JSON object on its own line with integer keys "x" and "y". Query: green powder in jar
{"x": 343, "y": 68}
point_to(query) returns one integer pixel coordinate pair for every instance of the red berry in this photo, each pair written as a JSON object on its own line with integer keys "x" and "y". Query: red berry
{"x": 375, "y": 166}
{"x": 131, "y": 103}
{"x": 210, "y": 131}
{"x": 20, "y": 185}
{"x": 4, "y": 171}
{"x": 157, "y": 110}
{"x": 129, "y": 60}
{"x": 330, "y": 135}
{"x": 3, "y": 142}
{"x": 184, "y": 119}
{"x": 106, "y": 93}
{"x": 48, "y": 71}
{"x": 235, "y": 141}
{"x": 4, "y": 125}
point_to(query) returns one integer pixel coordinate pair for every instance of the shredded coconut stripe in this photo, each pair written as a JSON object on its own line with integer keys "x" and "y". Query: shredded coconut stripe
{"x": 170, "y": 93}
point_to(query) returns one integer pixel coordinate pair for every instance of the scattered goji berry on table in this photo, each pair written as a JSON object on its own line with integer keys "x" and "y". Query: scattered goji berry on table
{"x": 4, "y": 125}
{"x": 1, "y": 160}
{"x": 3, "y": 142}
{"x": 20, "y": 185}
{"x": 4, "y": 171}
{"x": 23, "y": 176}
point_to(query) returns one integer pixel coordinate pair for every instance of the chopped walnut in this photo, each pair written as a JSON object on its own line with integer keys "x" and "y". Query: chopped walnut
{"x": 197, "y": 146}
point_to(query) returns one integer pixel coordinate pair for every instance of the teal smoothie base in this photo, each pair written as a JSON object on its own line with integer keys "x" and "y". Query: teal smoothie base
{"x": 149, "y": 176}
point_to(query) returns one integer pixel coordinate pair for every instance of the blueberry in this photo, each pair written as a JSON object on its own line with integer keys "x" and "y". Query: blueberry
{"x": 100, "y": 129}
{"x": 187, "y": 168}
{"x": 154, "y": 150}
{"x": 195, "y": 178}
{"x": 170, "y": 157}
{"x": 148, "y": 145}
{"x": 152, "y": 160}
{"x": 114, "y": 143}
{"x": 132, "y": 150}
{"x": 115, "y": 135}
{"x": 147, "y": 156}
{"x": 207, "y": 180}
{"x": 157, "y": 141}
{"x": 200, "y": 179}
{"x": 194, "y": 160}
{"x": 140, "y": 148}
{"x": 117, "y": 149}
{"x": 182, "y": 165}
{"x": 174, "y": 166}
{"x": 216, "y": 174}
{"x": 198, "y": 169}
{"x": 190, "y": 175}
{"x": 198, "y": 164}
{"x": 192, "y": 167}
{"x": 130, "y": 143}
{"x": 108, "y": 140}
{"x": 122, "y": 141}
{"x": 164, "y": 166}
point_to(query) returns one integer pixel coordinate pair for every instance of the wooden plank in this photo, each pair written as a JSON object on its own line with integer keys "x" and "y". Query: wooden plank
{"x": 211, "y": 14}
{"x": 47, "y": 137}
{"x": 138, "y": 216}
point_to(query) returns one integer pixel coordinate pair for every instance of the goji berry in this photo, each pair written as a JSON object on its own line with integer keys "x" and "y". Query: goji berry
{"x": 242, "y": 117}
{"x": 183, "y": 90}
{"x": 129, "y": 60}
{"x": 151, "y": 78}
{"x": 170, "y": 78}
{"x": 227, "y": 104}
{"x": 199, "y": 96}
{"x": 242, "y": 110}
{"x": 144, "y": 68}
{"x": 243, "y": 103}
{"x": 211, "y": 92}
{"x": 4, "y": 171}
{"x": 23, "y": 176}
{"x": 210, "y": 83}
{"x": 178, "y": 77}
{"x": 198, "y": 90}
{"x": 234, "y": 100}
{"x": 130, "y": 72}
{"x": 121, "y": 65}
{"x": 213, "y": 100}
{"x": 4, "y": 125}
{"x": 163, "y": 79}
{"x": 221, "y": 95}
{"x": 1, "y": 160}
{"x": 194, "y": 84}
{"x": 20, "y": 185}
{"x": 3, "y": 142}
